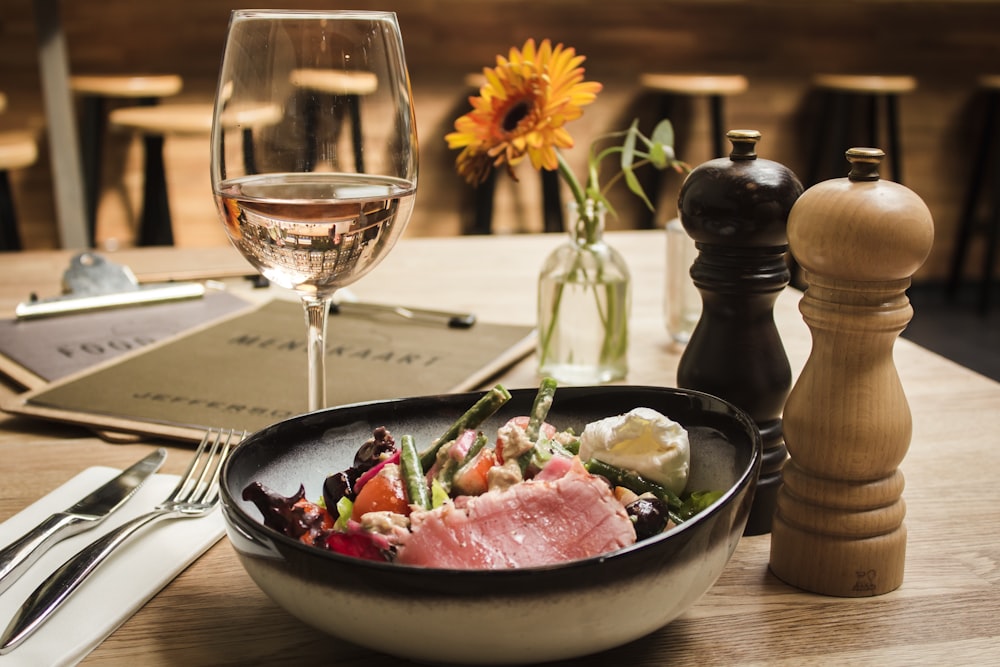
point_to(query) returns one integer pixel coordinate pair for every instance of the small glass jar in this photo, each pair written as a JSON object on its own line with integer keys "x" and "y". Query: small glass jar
{"x": 584, "y": 302}
{"x": 682, "y": 301}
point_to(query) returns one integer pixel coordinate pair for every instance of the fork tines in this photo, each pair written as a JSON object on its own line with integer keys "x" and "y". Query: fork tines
{"x": 200, "y": 482}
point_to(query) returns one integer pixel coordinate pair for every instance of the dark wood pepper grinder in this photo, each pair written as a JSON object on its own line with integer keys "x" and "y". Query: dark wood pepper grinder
{"x": 839, "y": 525}
{"x": 736, "y": 210}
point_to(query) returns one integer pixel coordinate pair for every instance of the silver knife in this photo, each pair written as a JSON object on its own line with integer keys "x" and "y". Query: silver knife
{"x": 88, "y": 513}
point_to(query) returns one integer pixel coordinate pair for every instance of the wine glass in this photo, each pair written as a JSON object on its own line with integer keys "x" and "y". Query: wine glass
{"x": 314, "y": 152}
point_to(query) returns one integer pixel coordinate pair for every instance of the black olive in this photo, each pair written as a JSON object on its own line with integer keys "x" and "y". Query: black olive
{"x": 375, "y": 449}
{"x": 649, "y": 516}
{"x": 335, "y": 487}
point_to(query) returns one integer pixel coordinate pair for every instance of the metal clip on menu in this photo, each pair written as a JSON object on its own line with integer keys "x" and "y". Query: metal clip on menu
{"x": 93, "y": 283}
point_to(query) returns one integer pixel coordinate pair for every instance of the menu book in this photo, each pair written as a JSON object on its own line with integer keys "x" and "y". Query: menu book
{"x": 249, "y": 370}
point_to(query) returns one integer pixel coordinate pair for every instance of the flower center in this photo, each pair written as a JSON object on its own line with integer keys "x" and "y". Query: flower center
{"x": 515, "y": 115}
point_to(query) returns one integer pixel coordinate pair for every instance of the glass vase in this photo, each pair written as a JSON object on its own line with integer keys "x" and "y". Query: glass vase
{"x": 584, "y": 301}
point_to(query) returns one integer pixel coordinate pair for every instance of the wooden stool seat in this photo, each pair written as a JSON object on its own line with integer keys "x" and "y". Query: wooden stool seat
{"x": 188, "y": 119}
{"x": 17, "y": 151}
{"x": 482, "y": 218}
{"x": 671, "y": 87}
{"x": 695, "y": 84}
{"x": 838, "y": 129}
{"x": 335, "y": 82}
{"x": 866, "y": 83}
{"x": 167, "y": 119}
{"x": 126, "y": 86}
{"x": 981, "y": 208}
{"x": 96, "y": 92}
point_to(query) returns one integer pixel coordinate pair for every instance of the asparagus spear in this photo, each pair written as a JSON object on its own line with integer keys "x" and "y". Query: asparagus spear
{"x": 473, "y": 417}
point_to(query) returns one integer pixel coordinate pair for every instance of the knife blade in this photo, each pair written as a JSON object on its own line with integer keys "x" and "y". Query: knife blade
{"x": 87, "y": 513}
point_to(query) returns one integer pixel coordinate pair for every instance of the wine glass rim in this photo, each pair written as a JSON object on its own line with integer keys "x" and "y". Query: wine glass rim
{"x": 313, "y": 13}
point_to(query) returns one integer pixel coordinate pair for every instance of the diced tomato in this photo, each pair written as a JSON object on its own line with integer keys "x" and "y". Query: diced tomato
{"x": 472, "y": 479}
{"x": 382, "y": 493}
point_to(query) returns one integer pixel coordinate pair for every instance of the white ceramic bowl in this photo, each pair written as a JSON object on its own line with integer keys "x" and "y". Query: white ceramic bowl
{"x": 516, "y": 616}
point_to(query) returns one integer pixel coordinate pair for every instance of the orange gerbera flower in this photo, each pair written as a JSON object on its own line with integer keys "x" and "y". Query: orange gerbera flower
{"x": 521, "y": 111}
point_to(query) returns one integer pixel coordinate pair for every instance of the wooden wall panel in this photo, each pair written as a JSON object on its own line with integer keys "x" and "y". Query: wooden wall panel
{"x": 778, "y": 45}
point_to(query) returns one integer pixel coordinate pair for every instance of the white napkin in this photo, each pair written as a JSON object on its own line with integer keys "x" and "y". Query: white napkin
{"x": 120, "y": 586}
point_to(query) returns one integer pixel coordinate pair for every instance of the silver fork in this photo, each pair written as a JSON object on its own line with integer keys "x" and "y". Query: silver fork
{"x": 195, "y": 495}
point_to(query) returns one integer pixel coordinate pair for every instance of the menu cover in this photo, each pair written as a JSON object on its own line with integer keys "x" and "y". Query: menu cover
{"x": 249, "y": 370}
{"x": 35, "y": 352}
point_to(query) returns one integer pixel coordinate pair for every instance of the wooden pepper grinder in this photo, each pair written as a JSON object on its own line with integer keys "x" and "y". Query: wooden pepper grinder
{"x": 736, "y": 209}
{"x": 839, "y": 526}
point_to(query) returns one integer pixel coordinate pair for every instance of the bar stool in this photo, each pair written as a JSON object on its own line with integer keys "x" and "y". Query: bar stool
{"x": 17, "y": 151}
{"x": 839, "y": 129}
{"x": 335, "y": 83}
{"x": 154, "y": 124}
{"x": 983, "y": 191}
{"x": 673, "y": 88}
{"x": 485, "y": 192}
{"x": 96, "y": 93}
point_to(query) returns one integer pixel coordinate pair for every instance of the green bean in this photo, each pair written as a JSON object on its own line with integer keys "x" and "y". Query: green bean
{"x": 413, "y": 474}
{"x": 633, "y": 481}
{"x": 540, "y": 408}
{"x": 484, "y": 408}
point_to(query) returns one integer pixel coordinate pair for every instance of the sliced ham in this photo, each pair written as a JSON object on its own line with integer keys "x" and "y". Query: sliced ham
{"x": 565, "y": 515}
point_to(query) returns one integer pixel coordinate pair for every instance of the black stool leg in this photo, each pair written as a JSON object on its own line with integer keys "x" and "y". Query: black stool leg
{"x": 551, "y": 201}
{"x": 871, "y": 108}
{"x": 989, "y": 261}
{"x": 10, "y": 237}
{"x": 895, "y": 145}
{"x": 249, "y": 156}
{"x": 354, "y": 107}
{"x": 155, "y": 227}
{"x": 992, "y": 237}
{"x": 91, "y": 138}
{"x": 482, "y": 222}
{"x": 821, "y": 140}
{"x": 967, "y": 222}
{"x": 718, "y": 121}
{"x": 668, "y": 106}
{"x": 310, "y": 114}
{"x": 842, "y": 109}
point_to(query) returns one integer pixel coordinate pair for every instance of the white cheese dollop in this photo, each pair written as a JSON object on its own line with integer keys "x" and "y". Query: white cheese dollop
{"x": 642, "y": 440}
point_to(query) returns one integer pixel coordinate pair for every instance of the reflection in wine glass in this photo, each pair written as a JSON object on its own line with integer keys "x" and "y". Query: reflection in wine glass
{"x": 310, "y": 204}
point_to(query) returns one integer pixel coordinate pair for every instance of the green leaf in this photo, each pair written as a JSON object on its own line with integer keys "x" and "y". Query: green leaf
{"x": 663, "y": 133}
{"x": 661, "y": 150}
{"x": 628, "y": 147}
{"x": 657, "y": 156}
{"x": 633, "y": 184}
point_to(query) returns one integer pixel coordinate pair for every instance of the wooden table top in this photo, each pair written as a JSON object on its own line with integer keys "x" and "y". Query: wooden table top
{"x": 945, "y": 611}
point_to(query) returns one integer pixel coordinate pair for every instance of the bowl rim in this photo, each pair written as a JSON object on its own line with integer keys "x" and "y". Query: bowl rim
{"x": 235, "y": 514}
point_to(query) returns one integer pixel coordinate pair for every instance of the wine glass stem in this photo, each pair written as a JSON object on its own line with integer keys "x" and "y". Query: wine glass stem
{"x": 316, "y": 311}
